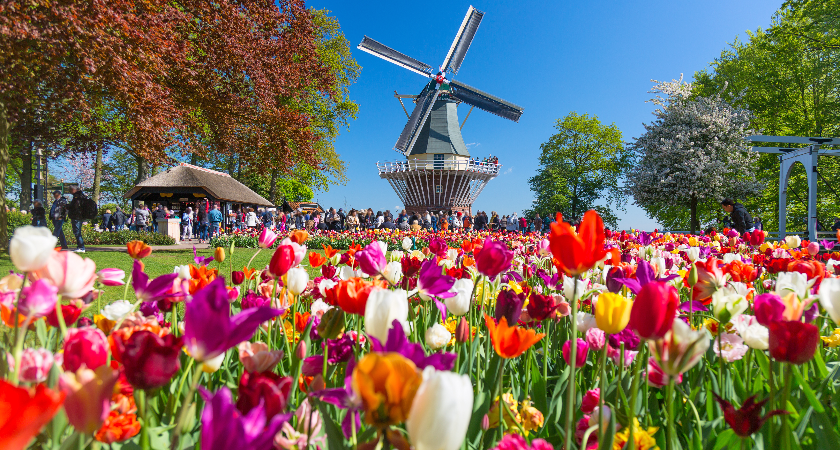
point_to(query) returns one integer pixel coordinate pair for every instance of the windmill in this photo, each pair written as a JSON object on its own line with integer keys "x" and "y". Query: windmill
{"x": 439, "y": 173}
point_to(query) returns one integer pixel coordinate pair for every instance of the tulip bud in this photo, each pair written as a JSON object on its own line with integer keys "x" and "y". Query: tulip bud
{"x": 332, "y": 324}
{"x": 238, "y": 277}
{"x": 317, "y": 383}
{"x": 485, "y": 423}
{"x": 219, "y": 254}
{"x": 462, "y": 332}
{"x": 813, "y": 248}
{"x": 300, "y": 351}
{"x": 693, "y": 275}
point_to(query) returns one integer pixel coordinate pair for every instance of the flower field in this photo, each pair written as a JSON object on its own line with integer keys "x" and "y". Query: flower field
{"x": 581, "y": 338}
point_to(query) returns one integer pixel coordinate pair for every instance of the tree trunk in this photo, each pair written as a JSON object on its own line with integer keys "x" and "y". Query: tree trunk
{"x": 26, "y": 177}
{"x": 5, "y": 126}
{"x": 273, "y": 190}
{"x": 231, "y": 168}
{"x": 142, "y": 169}
{"x": 97, "y": 175}
{"x": 694, "y": 223}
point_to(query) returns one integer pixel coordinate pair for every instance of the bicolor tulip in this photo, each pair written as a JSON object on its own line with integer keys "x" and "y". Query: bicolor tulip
{"x": 88, "y": 399}
{"x": 793, "y": 341}
{"x": 576, "y": 252}
{"x": 150, "y": 360}
{"x": 441, "y": 411}
{"x": 612, "y": 313}
{"x": 111, "y": 277}
{"x": 25, "y": 411}
{"x": 510, "y": 341}
{"x": 138, "y": 249}
{"x": 372, "y": 259}
{"x": 223, "y": 427}
{"x": 256, "y": 357}
{"x": 680, "y": 349}
{"x": 31, "y": 248}
{"x": 86, "y": 347}
{"x": 654, "y": 309}
{"x": 35, "y": 364}
{"x": 266, "y": 238}
{"x": 70, "y": 273}
{"x": 580, "y": 355}
{"x": 493, "y": 259}
{"x": 383, "y": 309}
{"x": 38, "y": 299}
{"x": 386, "y": 384}
{"x": 726, "y": 304}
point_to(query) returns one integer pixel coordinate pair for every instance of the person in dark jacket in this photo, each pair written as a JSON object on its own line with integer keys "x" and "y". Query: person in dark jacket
{"x": 107, "y": 217}
{"x": 741, "y": 219}
{"x": 75, "y": 213}
{"x": 58, "y": 214}
{"x": 117, "y": 220}
{"x": 388, "y": 225}
{"x": 39, "y": 215}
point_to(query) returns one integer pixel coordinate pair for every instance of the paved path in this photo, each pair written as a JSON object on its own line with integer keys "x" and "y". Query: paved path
{"x": 157, "y": 248}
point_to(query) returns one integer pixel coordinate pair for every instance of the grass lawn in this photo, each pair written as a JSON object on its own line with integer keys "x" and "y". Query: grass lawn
{"x": 161, "y": 262}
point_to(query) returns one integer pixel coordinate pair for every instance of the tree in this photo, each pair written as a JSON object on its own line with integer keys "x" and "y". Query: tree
{"x": 693, "y": 155}
{"x": 580, "y": 169}
{"x": 788, "y": 76}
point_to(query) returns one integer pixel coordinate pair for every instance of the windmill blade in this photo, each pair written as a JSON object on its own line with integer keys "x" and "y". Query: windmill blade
{"x": 485, "y": 101}
{"x": 389, "y": 54}
{"x": 415, "y": 123}
{"x": 462, "y": 40}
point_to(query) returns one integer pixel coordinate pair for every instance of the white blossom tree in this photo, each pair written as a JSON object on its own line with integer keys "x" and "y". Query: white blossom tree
{"x": 692, "y": 156}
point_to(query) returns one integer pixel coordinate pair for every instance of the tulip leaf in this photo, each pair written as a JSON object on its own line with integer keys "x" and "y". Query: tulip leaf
{"x": 539, "y": 395}
{"x": 809, "y": 394}
{"x": 723, "y": 439}
{"x": 825, "y": 431}
{"x": 819, "y": 362}
{"x": 334, "y": 434}
{"x": 41, "y": 332}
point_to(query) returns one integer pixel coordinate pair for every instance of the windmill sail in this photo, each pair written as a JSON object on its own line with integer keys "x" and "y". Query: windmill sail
{"x": 462, "y": 40}
{"x": 417, "y": 120}
{"x": 485, "y": 101}
{"x": 389, "y": 54}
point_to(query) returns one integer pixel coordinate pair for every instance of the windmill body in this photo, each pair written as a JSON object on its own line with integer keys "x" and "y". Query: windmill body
{"x": 438, "y": 173}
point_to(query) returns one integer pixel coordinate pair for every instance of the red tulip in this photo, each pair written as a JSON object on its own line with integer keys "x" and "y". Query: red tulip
{"x": 150, "y": 360}
{"x": 654, "y": 310}
{"x": 237, "y": 277}
{"x": 24, "y": 412}
{"x": 793, "y": 341}
{"x": 541, "y": 307}
{"x": 86, "y": 346}
{"x": 747, "y": 420}
{"x": 282, "y": 260}
{"x": 577, "y": 252}
{"x": 265, "y": 388}
{"x": 70, "y": 313}
{"x": 494, "y": 258}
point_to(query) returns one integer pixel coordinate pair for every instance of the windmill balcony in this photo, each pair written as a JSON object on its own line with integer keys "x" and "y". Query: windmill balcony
{"x": 466, "y": 165}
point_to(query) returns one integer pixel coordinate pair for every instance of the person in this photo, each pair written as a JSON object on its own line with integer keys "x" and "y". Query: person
{"x": 203, "y": 223}
{"x": 215, "y": 217}
{"x": 388, "y": 225}
{"x": 39, "y": 215}
{"x": 106, "y": 220}
{"x": 342, "y": 218}
{"x": 468, "y": 222}
{"x": 251, "y": 219}
{"x": 415, "y": 226}
{"x": 75, "y": 213}
{"x": 538, "y": 223}
{"x": 58, "y": 214}
{"x": 352, "y": 221}
{"x": 283, "y": 221}
{"x": 504, "y": 223}
{"x": 141, "y": 216}
{"x": 187, "y": 221}
{"x": 267, "y": 218}
{"x": 740, "y": 218}
{"x": 316, "y": 221}
{"x": 758, "y": 224}
{"x": 118, "y": 220}
{"x": 494, "y": 221}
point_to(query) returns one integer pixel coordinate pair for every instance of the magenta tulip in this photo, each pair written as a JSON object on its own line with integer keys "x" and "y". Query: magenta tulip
{"x": 38, "y": 299}
{"x": 654, "y": 310}
{"x": 580, "y": 356}
{"x": 35, "y": 364}
{"x": 85, "y": 346}
{"x": 493, "y": 259}
{"x": 267, "y": 238}
{"x": 768, "y": 309}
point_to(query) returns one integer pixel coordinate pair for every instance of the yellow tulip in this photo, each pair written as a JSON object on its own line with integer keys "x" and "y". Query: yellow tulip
{"x": 612, "y": 312}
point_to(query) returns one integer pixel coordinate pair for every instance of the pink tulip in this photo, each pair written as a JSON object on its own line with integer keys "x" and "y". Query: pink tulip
{"x": 35, "y": 364}
{"x": 813, "y": 248}
{"x": 267, "y": 238}
{"x": 85, "y": 346}
{"x": 257, "y": 358}
{"x": 70, "y": 273}
{"x": 596, "y": 338}
{"x": 658, "y": 378}
{"x": 88, "y": 400}
{"x": 111, "y": 277}
{"x": 580, "y": 356}
{"x": 38, "y": 299}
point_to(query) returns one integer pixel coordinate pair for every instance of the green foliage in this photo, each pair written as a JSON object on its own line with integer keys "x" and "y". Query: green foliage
{"x": 90, "y": 236}
{"x": 580, "y": 169}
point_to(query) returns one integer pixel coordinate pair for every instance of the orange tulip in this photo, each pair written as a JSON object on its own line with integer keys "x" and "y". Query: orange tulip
{"x": 316, "y": 260}
{"x": 468, "y": 261}
{"x": 301, "y": 320}
{"x": 6, "y": 315}
{"x": 329, "y": 251}
{"x": 468, "y": 246}
{"x": 249, "y": 273}
{"x": 219, "y": 254}
{"x": 510, "y": 342}
{"x": 138, "y": 249}
{"x": 352, "y": 295}
{"x": 354, "y": 248}
{"x": 576, "y": 253}
{"x": 118, "y": 427}
{"x": 386, "y": 383}
{"x": 299, "y": 236}
{"x": 25, "y": 412}
{"x": 201, "y": 277}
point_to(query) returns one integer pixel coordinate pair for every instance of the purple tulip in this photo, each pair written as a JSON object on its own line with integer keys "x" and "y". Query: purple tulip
{"x": 626, "y": 337}
{"x": 828, "y": 245}
{"x": 433, "y": 282}
{"x": 340, "y": 350}
{"x": 644, "y": 275}
{"x": 224, "y": 427}
{"x": 253, "y": 300}
{"x": 38, "y": 299}
{"x": 201, "y": 260}
{"x": 151, "y": 291}
{"x": 509, "y": 305}
{"x": 399, "y": 343}
{"x": 372, "y": 259}
{"x": 209, "y": 329}
{"x": 493, "y": 259}
{"x": 613, "y": 276}
{"x": 691, "y": 306}
{"x": 768, "y": 309}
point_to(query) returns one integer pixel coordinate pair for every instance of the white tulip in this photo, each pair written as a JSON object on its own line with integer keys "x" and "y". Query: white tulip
{"x": 452, "y": 254}
{"x": 729, "y": 257}
{"x": 693, "y": 254}
{"x": 346, "y": 273}
{"x": 441, "y": 411}
{"x": 793, "y": 241}
{"x": 325, "y": 285}
{"x": 383, "y": 307}
{"x": 213, "y": 364}
{"x": 831, "y": 265}
{"x": 31, "y": 248}
{"x": 830, "y": 297}
{"x": 754, "y": 334}
{"x": 393, "y": 272}
{"x": 726, "y": 303}
{"x": 658, "y": 264}
{"x": 585, "y": 321}
{"x": 460, "y": 303}
{"x": 437, "y": 336}
{"x": 407, "y": 244}
{"x": 117, "y": 310}
{"x": 296, "y": 280}
{"x": 795, "y": 282}
{"x": 569, "y": 289}
{"x": 319, "y": 307}
{"x": 183, "y": 272}
{"x": 395, "y": 255}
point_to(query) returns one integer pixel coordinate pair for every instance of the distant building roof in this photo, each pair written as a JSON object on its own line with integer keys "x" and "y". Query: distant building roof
{"x": 304, "y": 206}
{"x": 185, "y": 179}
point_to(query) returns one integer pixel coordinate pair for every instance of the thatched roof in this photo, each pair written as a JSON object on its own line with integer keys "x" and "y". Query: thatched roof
{"x": 304, "y": 206}
{"x": 185, "y": 179}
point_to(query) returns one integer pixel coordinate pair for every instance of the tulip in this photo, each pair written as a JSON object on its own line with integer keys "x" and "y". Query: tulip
{"x": 386, "y": 384}
{"x": 332, "y": 324}
{"x": 237, "y": 277}
{"x": 223, "y": 427}
{"x": 726, "y": 304}
{"x": 24, "y": 412}
{"x": 266, "y": 238}
{"x": 585, "y": 321}
{"x": 70, "y": 273}
{"x": 793, "y": 341}
{"x": 382, "y": 309}
{"x": 117, "y": 310}
{"x": 580, "y": 356}
{"x": 752, "y": 332}
{"x": 256, "y": 357}
{"x": 118, "y": 427}
{"x": 407, "y": 244}
{"x": 393, "y": 272}
{"x": 437, "y": 336}
{"x": 612, "y": 313}
{"x": 38, "y": 299}
{"x": 35, "y": 364}
{"x": 541, "y": 307}
{"x": 297, "y": 247}
{"x": 793, "y": 241}
{"x": 85, "y": 346}
{"x": 463, "y": 332}
{"x": 793, "y": 283}
{"x": 730, "y": 347}
{"x": 768, "y": 308}
{"x": 829, "y": 296}
{"x": 438, "y": 247}
{"x": 657, "y": 378}
{"x": 282, "y": 260}
{"x": 88, "y": 399}
{"x": 31, "y": 248}
{"x": 747, "y": 420}
{"x": 441, "y": 411}
{"x": 510, "y": 341}
{"x": 509, "y": 305}
{"x": 626, "y": 337}
{"x": 352, "y": 294}
{"x": 813, "y": 248}
{"x": 576, "y": 252}
{"x": 111, "y": 277}
{"x": 219, "y": 254}
{"x": 150, "y": 360}
{"x": 265, "y": 388}
{"x": 654, "y": 310}
{"x": 138, "y": 249}
{"x": 296, "y": 280}
{"x": 213, "y": 364}
{"x": 680, "y": 349}
{"x": 596, "y": 338}
{"x": 459, "y": 304}
{"x": 309, "y": 426}
{"x": 590, "y": 401}
{"x": 372, "y": 259}
{"x": 494, "y": 258}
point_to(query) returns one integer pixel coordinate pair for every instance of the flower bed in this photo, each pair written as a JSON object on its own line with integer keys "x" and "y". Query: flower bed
{"x": 473, "y": 340}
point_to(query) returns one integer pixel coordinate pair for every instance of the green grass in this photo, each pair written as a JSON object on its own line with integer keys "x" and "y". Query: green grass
{"x": 163, "y": 261}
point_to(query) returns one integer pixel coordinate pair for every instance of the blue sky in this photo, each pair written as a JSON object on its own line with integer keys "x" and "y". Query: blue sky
{"x": 595, "y": 57}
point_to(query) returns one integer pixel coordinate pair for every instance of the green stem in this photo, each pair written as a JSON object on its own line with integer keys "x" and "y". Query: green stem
{"x": 669, "y": 443}
{"x": 634, "y": 393}
{"x": 19, "y": 347}
{"x": 248, "y": 266}
{"x": 143, "y": 409}
{"x": 171, "y": 408}
{"x": 185, "y": 408}
{"x": 603, "y": 390}
{"x": 785, "y": 428}
{"x": 570, "y": 388}
{"x": 502, "y": 404}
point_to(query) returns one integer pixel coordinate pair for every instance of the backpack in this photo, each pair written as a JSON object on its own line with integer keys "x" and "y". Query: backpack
{"x": 88, "y": 208}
